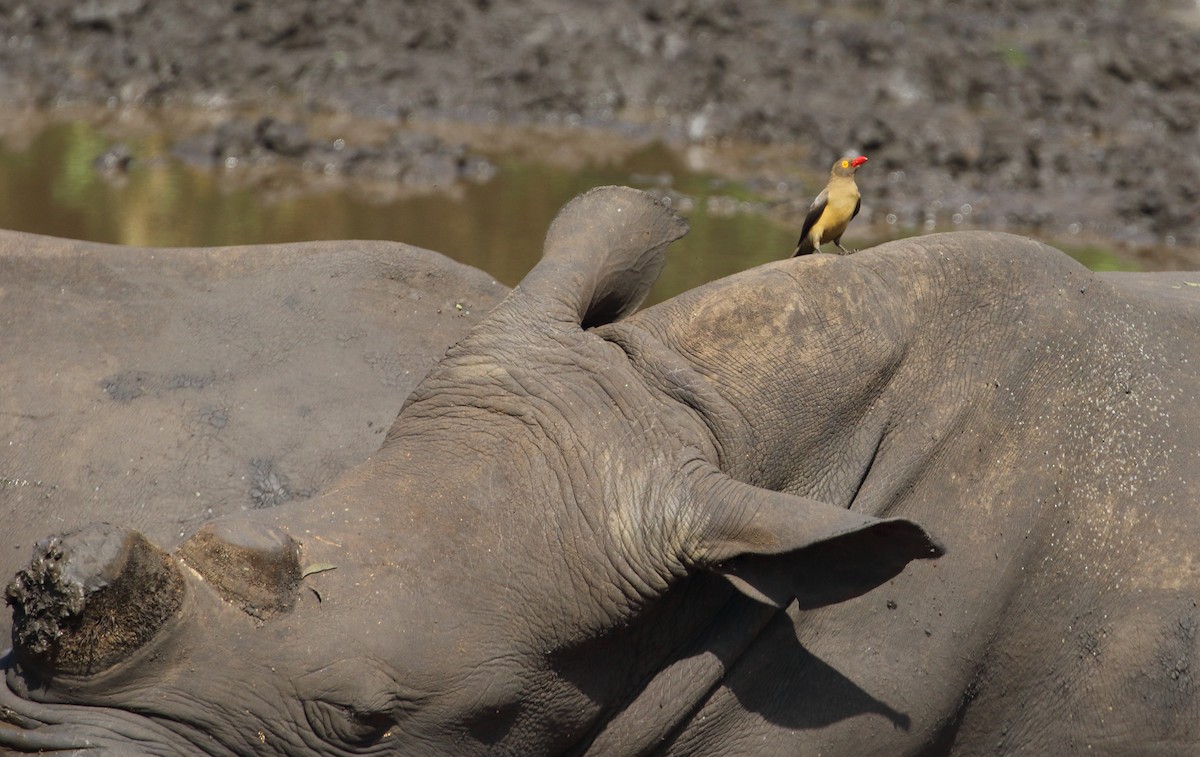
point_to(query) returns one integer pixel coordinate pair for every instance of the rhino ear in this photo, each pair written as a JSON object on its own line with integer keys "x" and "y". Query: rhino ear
{"x": 777, "y": 547}
{"x": 602, "y": 254}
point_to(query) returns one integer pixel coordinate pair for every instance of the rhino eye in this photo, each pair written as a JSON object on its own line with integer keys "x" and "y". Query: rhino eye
{"x": 340, "y": 724}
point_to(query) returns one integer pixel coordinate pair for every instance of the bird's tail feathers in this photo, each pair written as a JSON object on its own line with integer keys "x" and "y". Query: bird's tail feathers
{"x": 803, "y": 247}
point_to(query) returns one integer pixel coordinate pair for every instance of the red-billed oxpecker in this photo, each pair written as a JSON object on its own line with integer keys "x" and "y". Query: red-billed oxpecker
{"x": 832, "y": 211}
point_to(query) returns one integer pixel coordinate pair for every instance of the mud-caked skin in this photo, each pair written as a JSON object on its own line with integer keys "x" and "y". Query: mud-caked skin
{"x": 937, "y": 497}
{"x": 157, "y": 389}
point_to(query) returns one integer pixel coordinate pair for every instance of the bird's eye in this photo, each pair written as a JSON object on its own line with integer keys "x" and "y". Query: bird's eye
{"x": 845, "y": 164}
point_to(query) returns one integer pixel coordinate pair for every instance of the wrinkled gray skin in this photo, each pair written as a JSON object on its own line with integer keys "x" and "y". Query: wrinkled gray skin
{"x": 659, "y": 534}
{"x": 159, "y": 389}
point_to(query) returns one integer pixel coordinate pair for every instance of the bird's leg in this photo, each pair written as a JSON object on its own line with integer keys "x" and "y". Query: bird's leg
{"x": 838, "y": 244}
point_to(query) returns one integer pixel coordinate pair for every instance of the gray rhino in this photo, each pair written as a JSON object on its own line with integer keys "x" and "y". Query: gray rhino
{"x": 937, "y": 497}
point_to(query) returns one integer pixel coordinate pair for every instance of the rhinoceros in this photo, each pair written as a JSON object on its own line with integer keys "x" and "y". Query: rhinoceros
{"x": 938, "y": 497}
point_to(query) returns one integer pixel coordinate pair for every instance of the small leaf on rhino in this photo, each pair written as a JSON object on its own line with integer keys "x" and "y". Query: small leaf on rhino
{"x": 317, "y": 567}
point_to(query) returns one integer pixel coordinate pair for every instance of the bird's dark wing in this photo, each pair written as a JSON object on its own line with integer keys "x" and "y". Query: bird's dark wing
{"x": 857, "y": 205}
{"x": 805, "y": 245}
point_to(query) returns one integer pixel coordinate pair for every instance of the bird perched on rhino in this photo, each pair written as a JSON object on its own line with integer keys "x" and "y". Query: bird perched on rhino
{"x": 832, "y": 211}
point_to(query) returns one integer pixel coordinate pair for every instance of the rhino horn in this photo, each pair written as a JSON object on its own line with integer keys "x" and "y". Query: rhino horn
{"x": 91, "y": 598}
{"x": 250, "y": 564}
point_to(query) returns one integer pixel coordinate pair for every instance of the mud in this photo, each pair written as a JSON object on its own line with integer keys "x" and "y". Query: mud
{"x": 1072, "y": 117}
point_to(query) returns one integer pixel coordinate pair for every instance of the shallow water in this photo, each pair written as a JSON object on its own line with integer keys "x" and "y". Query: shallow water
{"x": 50, "y": 184}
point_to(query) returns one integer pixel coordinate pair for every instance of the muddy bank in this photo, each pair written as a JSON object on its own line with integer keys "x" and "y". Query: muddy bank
{"x": 1072, "y": 117}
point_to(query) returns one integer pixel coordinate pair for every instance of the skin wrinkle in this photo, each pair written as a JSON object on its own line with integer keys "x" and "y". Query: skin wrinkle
{"x": 737, "y": 412}
{"x": 647, "y": 358}
{"x": 111, "y": 720}
{"x": 843, "y": 482}
{"x": 364, "y": 684}
{"x": 678, "y": 381}
{"x": 225, "y": 712}
{"x": 866, "y": 470}
{"x": 729, "y": 518}
{"x": 550, "y": 409}
{"x": 560, "y": 414}
{"x": 198, "y": 739}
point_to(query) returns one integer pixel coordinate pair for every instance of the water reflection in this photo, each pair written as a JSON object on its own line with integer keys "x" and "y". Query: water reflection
{"x": 51, "y": 185}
